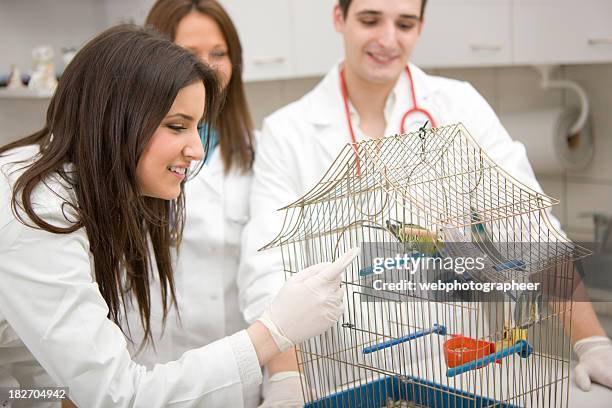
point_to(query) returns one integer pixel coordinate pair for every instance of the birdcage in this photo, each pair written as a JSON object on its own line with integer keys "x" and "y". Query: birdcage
{"x": 423, "y": 325}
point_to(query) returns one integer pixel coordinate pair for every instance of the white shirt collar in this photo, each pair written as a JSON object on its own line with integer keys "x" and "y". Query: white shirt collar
{"x": 399, "y": 94}
{"x": 325, "y": 106}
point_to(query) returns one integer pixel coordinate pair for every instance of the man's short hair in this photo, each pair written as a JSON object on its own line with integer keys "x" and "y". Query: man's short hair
{"x": 345, "y": 4}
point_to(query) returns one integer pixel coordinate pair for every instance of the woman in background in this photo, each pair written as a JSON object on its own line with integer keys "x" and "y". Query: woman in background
{"x": 91, "y": 213}
{"x": 212, "y": 300}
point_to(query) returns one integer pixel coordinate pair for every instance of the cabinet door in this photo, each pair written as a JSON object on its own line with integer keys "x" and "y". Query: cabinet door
{"x": 317, "y": 46}
{"x": 562, "y": 31}
{"x": 466, "y": 33}
{"x": 264, "y": 29}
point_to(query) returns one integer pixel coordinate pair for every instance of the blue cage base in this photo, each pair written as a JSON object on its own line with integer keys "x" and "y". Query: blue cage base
{"x": 377, "y": 393}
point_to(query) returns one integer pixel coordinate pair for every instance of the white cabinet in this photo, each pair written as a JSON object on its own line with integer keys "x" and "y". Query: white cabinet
{"x": 562, "y": 31}
{"x": 316, "y": 44}
{"x": 264, "y": 28}
{"x": 296, "y": 38}
{"x": 285, "y": 38}
{"x": 465, "y": 33}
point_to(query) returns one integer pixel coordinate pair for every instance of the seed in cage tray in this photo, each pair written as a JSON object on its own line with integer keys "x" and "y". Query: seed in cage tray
{"x": 398, "y": 404}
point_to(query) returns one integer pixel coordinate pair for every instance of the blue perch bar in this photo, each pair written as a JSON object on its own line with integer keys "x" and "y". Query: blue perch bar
{"x": 441, "y": 330}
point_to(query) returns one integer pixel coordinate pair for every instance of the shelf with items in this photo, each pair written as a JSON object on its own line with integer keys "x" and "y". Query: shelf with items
{"x": 24, "y": 93}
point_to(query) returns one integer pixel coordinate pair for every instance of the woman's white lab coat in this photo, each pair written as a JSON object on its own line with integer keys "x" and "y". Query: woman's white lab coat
{"x": 53, "y": 316}
{"x": 205, "y": 274}
{"x": 299, "y": 142}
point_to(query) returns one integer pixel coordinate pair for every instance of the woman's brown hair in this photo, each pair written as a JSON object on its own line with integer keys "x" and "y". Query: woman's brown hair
{"x": 234, "y": 126}
{"x": 110, "y": 100}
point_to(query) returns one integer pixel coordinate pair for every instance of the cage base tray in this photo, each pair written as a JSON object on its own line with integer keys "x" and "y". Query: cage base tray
{"x": 414, "y": 391}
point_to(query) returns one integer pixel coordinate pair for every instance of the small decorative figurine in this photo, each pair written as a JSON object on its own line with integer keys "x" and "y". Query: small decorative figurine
{"x": 15, "y": 79}
{"x": 43, "y": 74}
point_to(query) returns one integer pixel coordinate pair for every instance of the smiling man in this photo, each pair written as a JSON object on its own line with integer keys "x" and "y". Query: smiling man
{"x": 375, "y": 92}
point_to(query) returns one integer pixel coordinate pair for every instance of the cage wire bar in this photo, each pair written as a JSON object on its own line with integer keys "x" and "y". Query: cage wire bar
{"x": 434, "y": 195}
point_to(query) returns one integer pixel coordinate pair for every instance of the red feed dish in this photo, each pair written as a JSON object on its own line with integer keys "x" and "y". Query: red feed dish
{"x": 460, "y": 350}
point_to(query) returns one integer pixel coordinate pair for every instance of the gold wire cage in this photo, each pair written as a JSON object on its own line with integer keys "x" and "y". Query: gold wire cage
{"x": 411, "y": 203}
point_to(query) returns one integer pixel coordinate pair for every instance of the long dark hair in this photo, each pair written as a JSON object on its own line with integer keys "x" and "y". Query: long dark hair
{"x": 235, "y": 126}
{"x": 109, "y": 102}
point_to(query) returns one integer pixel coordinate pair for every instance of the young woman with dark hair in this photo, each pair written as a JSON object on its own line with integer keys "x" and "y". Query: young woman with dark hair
{"x": 91, "y": 211}
{"x": 213, "y": 297}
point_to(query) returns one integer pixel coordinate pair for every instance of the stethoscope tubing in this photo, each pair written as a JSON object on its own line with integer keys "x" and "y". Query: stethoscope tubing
{"x": 414, "y": 109}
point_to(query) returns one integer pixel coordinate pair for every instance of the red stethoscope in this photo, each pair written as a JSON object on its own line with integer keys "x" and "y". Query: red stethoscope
{"x": 413, "y": 120}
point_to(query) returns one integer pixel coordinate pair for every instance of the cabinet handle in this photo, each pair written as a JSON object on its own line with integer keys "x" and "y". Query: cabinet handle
{"x": 269, "y": 61}
{"x": 600, "y": 41}
{"x": 486, "y": 47}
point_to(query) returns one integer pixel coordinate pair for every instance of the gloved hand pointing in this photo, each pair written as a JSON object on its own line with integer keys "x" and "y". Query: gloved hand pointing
{"x": 308, "y": 304}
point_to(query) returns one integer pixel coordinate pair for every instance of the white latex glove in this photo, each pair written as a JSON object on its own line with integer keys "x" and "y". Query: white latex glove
{"x": 308, "y": 304}
{"x": 284, "y": 390}
{"x": 595, "y": 362}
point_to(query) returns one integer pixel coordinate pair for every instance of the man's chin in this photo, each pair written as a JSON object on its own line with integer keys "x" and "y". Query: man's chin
{"x": 383, "y": 77}
{"x": 381, "y": 73}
